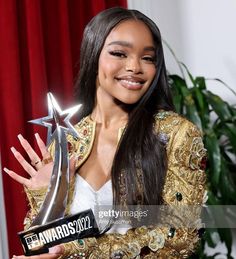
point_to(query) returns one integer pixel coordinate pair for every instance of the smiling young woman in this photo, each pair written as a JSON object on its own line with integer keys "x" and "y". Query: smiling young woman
{"x": 126, "y": 65}
{"x": 136, "y": 150}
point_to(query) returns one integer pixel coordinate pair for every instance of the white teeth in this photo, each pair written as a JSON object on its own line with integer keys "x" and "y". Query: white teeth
{"x": 131, "y": 82}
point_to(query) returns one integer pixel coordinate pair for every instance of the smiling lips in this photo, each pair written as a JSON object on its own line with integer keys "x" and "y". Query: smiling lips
{"x": 131, "y": 83}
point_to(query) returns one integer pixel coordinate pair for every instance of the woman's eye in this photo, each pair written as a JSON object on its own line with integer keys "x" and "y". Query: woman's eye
{"x": 149, "y": 59}
{"x": 117, "y": 54}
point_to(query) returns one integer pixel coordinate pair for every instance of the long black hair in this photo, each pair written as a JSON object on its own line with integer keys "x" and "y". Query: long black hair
{"x": 139, "y": 149}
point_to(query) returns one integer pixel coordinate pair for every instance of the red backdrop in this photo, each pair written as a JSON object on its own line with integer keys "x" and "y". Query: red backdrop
{"x": 39, "y": 50}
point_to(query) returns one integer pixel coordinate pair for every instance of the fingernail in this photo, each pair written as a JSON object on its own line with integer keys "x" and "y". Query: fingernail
{"x": 20, "y": 137}
{"x": 54, "y": 250}
{"x": 7, "y": 171}
{"x": 13, "y": 150}
{"x": 36, "y": 135}
{"x": 73, "y": 156}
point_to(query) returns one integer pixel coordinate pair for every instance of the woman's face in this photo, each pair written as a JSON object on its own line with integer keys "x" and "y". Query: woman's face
{"x": 126, "y": 64}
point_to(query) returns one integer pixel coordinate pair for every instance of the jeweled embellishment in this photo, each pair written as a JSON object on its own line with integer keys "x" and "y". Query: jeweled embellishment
{"x": 134, "y": 249}
{"x": 82, "y": 145}
{"x": 117, "y": 254}
{"x": 201, "y": 232}
{"x": 162, "y": 115}
{"x": 171, "y": 232}
{"x": 77, "y": 256}
{"x": 203, "y": 163}
{"x": 179, "y": 196}
{"x": 69, "y": 146}
{"x": 198, "y": 154}
{"x": 163, "y": 138}
{"x": 81, "y": 242}
{"x": 81, "y": 149}
{"x": 80, "y": 157}
{"x": 157, "y": 240}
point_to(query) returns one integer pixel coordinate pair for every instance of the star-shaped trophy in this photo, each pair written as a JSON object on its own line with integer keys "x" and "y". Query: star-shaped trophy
{"x": 51, "y": 227}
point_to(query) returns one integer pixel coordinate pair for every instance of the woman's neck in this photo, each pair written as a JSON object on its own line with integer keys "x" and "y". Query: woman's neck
{"x": 108, "y": 113}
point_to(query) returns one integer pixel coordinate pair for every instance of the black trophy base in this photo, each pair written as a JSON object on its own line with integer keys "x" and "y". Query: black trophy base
{"x": 38, "y": 239}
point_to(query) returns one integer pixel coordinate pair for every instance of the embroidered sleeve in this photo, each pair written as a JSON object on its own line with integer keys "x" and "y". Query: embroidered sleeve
{"x": 35, "y": 198}
{"x": 184, "y": 188}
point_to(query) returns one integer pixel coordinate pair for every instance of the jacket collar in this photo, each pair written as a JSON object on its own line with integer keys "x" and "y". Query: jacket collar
{"x": 82, "y": 147}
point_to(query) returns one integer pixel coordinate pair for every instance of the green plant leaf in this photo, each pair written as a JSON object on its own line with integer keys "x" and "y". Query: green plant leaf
{"x": 229, "y": 130}
{"x": 189, "y": 74}
{"x": 212, "y": 198}
{"x": 208, "y": 237}
{"x": 178, "y": 103}
{"x": 202, "y": 106}
{"x": 220, "y": 107}
{"x": 227, "y": 185}
{"x": 226, "y": 237}
{"x": 200, "y": 82}
{"x": 190, "y": 106}
{"x": 176, "y": 82}
{"x": 217, "y": 119}
{"x": 189, "y": 109}
{"x": 214, "y": 156}
{"x": 222, "y": 82}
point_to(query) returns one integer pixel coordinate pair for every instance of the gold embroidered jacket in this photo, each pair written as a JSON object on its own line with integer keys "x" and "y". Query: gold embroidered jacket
{"x": 184, "y": 185}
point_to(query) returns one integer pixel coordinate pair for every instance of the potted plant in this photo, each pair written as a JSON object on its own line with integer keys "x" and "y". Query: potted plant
{"x": 217, "y": 120}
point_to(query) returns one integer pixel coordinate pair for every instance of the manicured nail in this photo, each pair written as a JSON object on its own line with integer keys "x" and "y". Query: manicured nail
{"x": 20, "y": 137}
{"x": 73, "y": 156}
{"x": 55, "y": 250}
{"x": 6, "y": 170}
{"x": 13, "y": 150}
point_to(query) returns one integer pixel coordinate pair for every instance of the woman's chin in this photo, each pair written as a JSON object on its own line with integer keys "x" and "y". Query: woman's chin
{"x": 126, "y": 101}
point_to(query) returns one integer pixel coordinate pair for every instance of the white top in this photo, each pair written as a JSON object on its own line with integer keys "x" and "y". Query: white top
{"x": 85, "y": 197}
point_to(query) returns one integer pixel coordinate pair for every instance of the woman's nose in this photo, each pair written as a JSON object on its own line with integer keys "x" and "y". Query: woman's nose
{"x": 133, "y": 65}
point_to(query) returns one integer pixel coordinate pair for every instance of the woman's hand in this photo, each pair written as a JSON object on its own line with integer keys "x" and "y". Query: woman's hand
{"x": 54, "y": 253}
{"x": 39, "y": 171}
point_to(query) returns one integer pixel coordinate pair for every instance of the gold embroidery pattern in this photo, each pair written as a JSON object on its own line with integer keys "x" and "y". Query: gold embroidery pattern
{"x": 119, "y": 246}
{"x": 82, "y": 148}
{"x": 185, "y": 184}
{"x": 193, "y": 151}
{"x": 35, "y": 198}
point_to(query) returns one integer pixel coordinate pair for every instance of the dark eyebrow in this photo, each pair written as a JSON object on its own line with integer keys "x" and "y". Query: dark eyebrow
{"x": 129, "y": 45}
